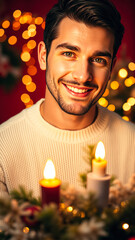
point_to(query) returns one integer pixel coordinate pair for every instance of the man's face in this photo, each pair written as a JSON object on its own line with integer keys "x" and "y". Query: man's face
{"x": 79, "y": 65}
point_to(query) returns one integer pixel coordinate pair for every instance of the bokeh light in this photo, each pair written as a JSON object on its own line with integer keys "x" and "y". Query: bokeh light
{"x": 2, "y": 31}
{"x": 26, "y": 79}
{"x": 32, "y": 70}
{"x": 12, "y": 40}
{"x": 25, "y": 56}
{"x": 6, "y": 24}
{"x": 126, "y": 106}
{"x": 25, "y": 98}
{"x": 111, "y": 107}
{"x": 114, "y": 85}
{"x": 103, "y": 102}
{"x": 17, "y": 13}
{"x": 31, "y": 87}
{"x": 131, "y": 66}
{"x": 123, "y": 73}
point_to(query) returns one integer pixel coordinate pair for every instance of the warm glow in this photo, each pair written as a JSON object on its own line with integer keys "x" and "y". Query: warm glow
{"x": 26, "y": 79}
{"x": 25, "y": 98}
{"x": 111, "y": 107}
{"x": 6, "y": 24}
{"x": 12, "y": 40}
{"x": 131, "y": 66}
{"x": 126, "y": 106}
{"x": 38, "y": 20}
{"x": 131, "y": 101}
{"x": 100, "y": 150}
{"x": 31, "y": 87}
{"x": 43, "y": 25}
{"x": 125, "y": 118}
{"x": 16, "y": 26}
{"x": 31, "y": 61}
{"x": 114, "y": 85}
{"x": 125, "y": 226}
{"x": 26, "y": 230}
{"x": 1, "y": 32}
{"x": 69, "y": 209}
{"x": 25, "y": 34}
{"x": 123, "y": 73}
{"x": 25, "y": 56}
{"x": 32, "y": 32}
{"x": 16, "y": 13}
{"x": 32, "y": 70}
{"x": 31, "y": 44}
{"x": 103, "y": 102}
{"x": 129, "y": 81}
{"x": 106, "y": 93}
{"x": 49, "y": 171}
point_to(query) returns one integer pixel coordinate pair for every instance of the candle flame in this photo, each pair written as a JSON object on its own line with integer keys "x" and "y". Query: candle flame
{"x": 49, "y": 171}
{"x": 100, "y": 150}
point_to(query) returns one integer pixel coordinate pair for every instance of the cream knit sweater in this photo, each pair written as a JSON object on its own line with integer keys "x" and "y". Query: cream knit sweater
{"x": 27, "y": 141}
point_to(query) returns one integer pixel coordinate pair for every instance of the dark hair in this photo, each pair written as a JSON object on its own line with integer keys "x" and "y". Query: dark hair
{"x": 92, "y": 12}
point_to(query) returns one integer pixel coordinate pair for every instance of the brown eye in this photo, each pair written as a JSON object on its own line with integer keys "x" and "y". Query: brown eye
{"x": 68, "y": 54}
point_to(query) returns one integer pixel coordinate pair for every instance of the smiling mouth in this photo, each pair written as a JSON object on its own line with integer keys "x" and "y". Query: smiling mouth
{"x": 78, "y": 91}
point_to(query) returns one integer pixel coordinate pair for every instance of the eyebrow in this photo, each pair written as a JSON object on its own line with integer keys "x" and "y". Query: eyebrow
{"x": 68, "y": 46}
{"x": 76, "y": 48}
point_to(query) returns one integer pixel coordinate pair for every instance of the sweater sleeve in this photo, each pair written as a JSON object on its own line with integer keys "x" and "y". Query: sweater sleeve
{"x": 3, "y": 188}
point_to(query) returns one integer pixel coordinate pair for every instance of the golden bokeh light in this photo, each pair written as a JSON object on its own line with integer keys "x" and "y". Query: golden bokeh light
{"x": 114, "y": 85}
{"x": 26, "y": 230}
{"x": 25, "y": 98}
{"x": 25, "y": 56}
{"x": 43, "y": 25}
{"x": 6, "y": 24}
{"x": 106, "y": 93}
{"x": 30, "y": 103}
{"x": 131, "y": 66}
{"x": 25, "y": 48}
{"x": 16, "y": 25}
{"x": 123, "y": 73}
{"x": 26, "y": 79}
{"x": 111, "y": 107}
{"x": 126, "y": 106}
{"x": 131, "y": 101}
{"x": 32, "y": 70}
{"x": 12, "y": 40}
{"x": 129, "y": 81}
{"x": 125, "y": 226}
{"x": 32, "y": 32}
{"x": 25, "y": 35}
{"x": 2, "y": 31}
{"x": 125, "y": 118}
{"x": 69, "y": 209}
{"x": 103, "y": 102}
{"x": 31, "y": 87}
{"x": 31, "y": 44}
{"x": 38, "y": 20}
{"x": 23, "y": 19}
{"x": 17, "y": 13}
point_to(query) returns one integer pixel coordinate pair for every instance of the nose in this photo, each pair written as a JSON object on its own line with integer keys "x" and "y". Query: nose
{"x": 82, "y": 71}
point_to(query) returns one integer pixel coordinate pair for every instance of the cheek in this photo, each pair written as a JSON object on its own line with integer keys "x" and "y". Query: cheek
{"x": 102, "y": 77}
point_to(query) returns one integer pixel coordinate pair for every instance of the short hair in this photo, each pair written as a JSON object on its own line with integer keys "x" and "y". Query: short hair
{"x": 101, "y": 13}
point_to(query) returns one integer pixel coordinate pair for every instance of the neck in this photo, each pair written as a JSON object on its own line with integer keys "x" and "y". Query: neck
{"x": 53, "y": 114}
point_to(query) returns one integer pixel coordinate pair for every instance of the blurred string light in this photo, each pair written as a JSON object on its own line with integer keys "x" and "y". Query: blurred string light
{"x": 29, "y": 32}
{"x": 31, "y": 24}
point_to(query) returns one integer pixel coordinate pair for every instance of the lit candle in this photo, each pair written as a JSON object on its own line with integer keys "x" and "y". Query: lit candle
{"x": 98, "y": 181}
{"x": 50, "y": 186}
{"x": 99, "y": 163}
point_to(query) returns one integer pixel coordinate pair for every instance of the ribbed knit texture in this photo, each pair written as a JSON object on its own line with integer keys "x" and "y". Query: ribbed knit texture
{"x": 27, "y": 141}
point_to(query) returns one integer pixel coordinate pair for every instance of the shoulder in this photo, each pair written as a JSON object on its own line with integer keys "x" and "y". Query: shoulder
{"x": 115, "y": 121}
{"x": 19, "y": 119}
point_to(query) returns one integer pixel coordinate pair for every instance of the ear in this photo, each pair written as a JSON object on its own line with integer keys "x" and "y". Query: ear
{"x": 42, "y": 55}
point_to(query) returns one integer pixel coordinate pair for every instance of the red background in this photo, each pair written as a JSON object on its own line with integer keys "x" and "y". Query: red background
{"x": 10, "y": 103}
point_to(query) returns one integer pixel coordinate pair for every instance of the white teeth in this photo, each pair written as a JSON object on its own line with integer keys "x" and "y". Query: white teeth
{"x": 77, "y": 90}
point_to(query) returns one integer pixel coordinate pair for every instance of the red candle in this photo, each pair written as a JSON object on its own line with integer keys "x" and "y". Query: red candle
{"x": 50, "y": 186}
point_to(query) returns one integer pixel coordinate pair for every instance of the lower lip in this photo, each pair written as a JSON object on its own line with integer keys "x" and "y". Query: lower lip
{"x": 78, "y": 94}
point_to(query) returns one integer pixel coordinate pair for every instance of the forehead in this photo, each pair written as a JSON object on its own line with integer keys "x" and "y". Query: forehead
{"x": 85, "y": 36}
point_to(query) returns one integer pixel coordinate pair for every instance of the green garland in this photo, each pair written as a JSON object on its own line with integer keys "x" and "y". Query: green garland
{"x": 78, "y": 218}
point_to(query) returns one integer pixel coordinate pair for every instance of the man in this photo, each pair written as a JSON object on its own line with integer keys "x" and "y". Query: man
{"x": 81, "y": 40}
